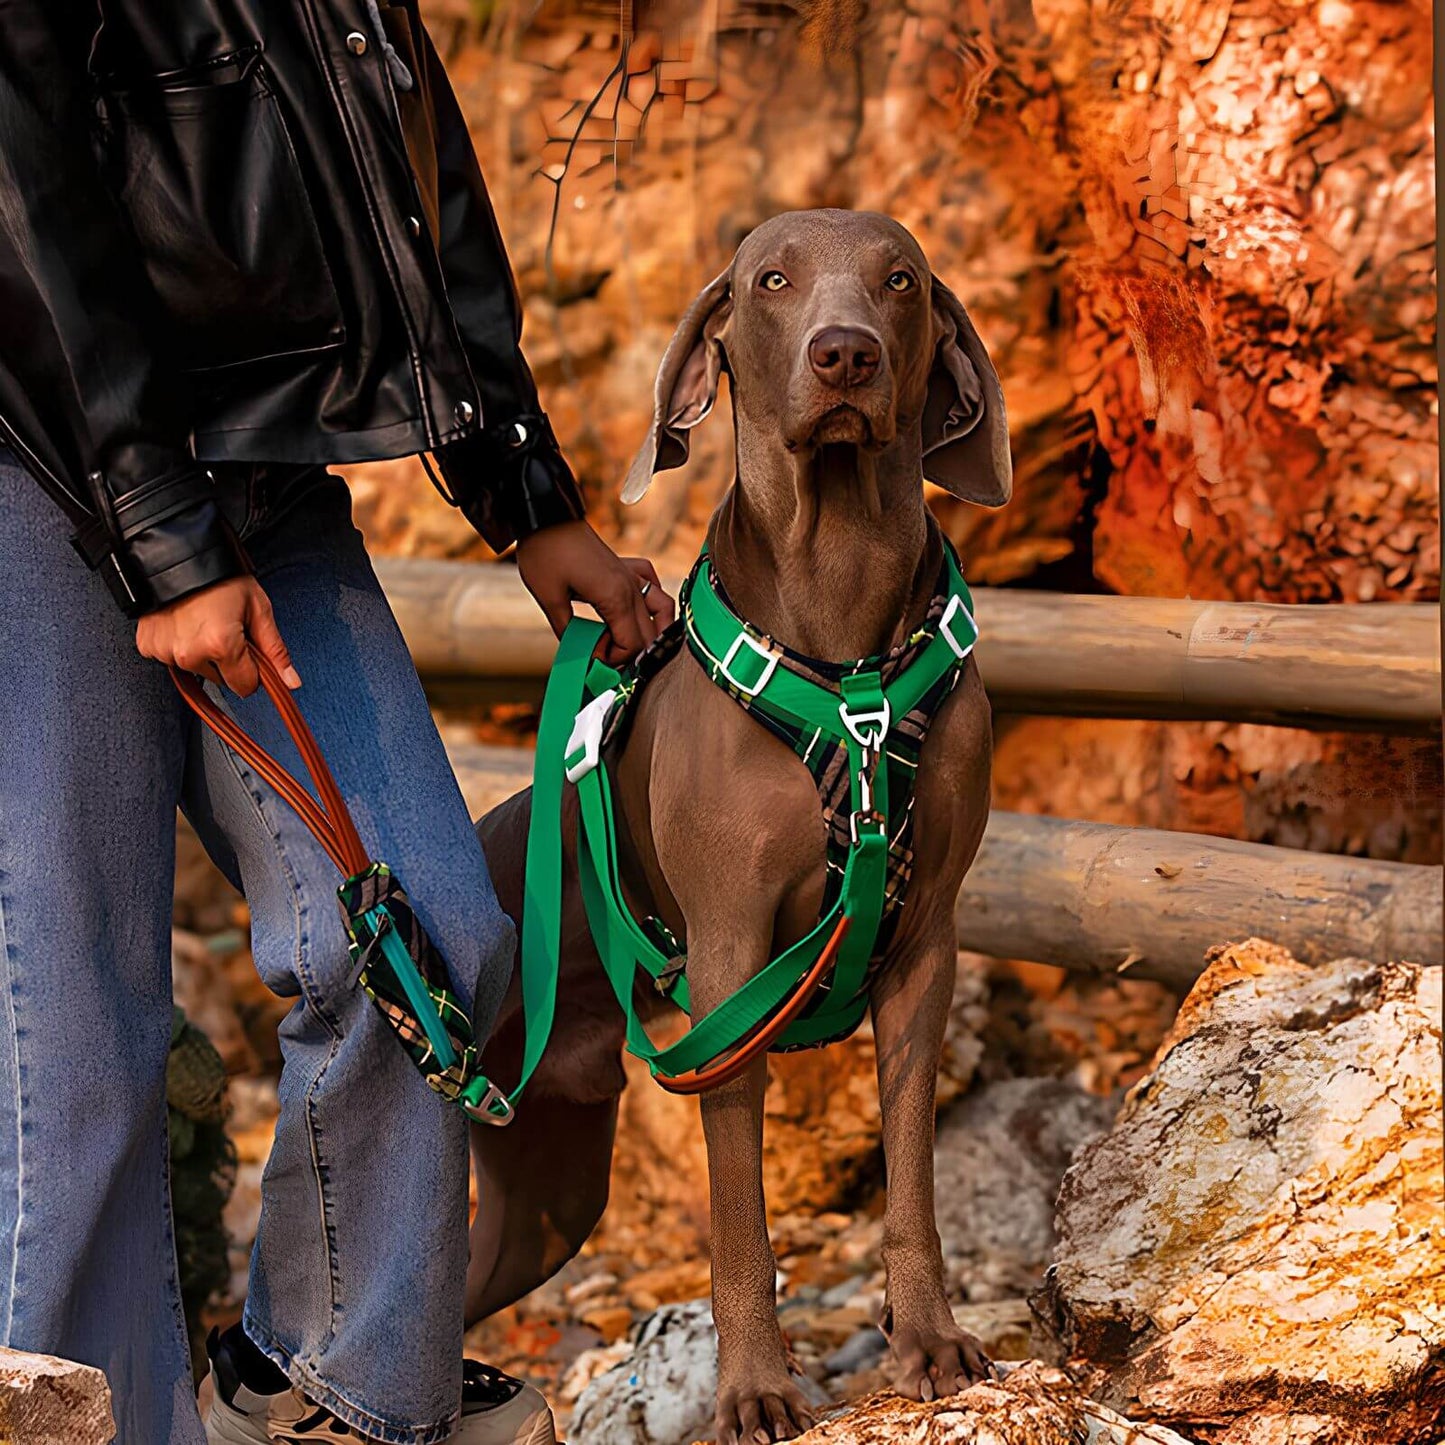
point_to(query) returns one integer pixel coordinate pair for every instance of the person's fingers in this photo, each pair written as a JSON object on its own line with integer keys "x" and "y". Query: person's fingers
{"x": 262, "y": 630}
{"x": 646, "y": 621}
{"x": 660, "y": 606}
{"x": 556, "y": 606}
{"x": 191, "y": 658}
{"x": 644, "y": 571}
{"x": 234, "y": 661}
{"x": 619, "y": 608}
{"x": 242, "y": 676}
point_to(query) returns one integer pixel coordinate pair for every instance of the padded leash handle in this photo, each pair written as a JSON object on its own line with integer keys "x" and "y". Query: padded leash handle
{"x": 329, "y": 821}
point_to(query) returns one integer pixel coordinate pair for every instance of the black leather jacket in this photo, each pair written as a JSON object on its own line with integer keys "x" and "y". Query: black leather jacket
{"x": 240, "y": 231}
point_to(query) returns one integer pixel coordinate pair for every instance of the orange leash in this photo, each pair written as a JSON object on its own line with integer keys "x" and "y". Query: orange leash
{"x": 329, "y": 821}
{"x": 730, "y": 1066}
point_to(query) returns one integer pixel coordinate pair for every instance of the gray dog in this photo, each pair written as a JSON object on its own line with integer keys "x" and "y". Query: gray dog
{"x": 855, "y": 374}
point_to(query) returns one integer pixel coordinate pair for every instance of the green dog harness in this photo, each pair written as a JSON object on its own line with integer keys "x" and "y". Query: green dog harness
{"x": 858, "y": 727}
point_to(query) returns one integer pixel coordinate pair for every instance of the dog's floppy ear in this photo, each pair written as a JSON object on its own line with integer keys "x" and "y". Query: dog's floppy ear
{"x": 965, "y": 431}
{"x": 686, "y": 386}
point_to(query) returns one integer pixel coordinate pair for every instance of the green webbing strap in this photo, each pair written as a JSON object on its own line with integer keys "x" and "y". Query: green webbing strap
{"x": 868, "y": 801}
{"x": 950, "y": 644}
{"x": 623, "y": 946}
{"x": 542, "y": 897}
{"x": 412, "y": 985}
{"x": 734, "y": 656}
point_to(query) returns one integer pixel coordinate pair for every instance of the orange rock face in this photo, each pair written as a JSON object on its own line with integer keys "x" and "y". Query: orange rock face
{"x": 1197, "y": 236}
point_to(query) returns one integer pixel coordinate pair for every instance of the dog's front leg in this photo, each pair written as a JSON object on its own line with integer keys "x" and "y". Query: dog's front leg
{"x": 932, "y": 1355}
{"x": 757, "y": 1400}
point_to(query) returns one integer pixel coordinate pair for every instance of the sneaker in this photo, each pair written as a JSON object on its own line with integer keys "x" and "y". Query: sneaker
{"x": 253, "y": 1403}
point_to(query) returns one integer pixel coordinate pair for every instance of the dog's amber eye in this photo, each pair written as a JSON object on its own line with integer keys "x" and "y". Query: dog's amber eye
{"x": 773, "y": 281}
{"x": 901, "y": 281}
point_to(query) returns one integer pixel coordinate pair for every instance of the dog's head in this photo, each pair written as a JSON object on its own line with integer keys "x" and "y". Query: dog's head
{"x": 835, "y": 331}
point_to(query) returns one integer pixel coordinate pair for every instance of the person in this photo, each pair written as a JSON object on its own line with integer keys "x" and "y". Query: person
{"x": 241, "y": 240}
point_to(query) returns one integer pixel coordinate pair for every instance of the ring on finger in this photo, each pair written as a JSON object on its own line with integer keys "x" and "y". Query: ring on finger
{"x": 646, "y": 588}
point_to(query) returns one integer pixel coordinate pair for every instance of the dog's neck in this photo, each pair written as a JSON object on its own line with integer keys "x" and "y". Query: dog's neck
{"x": 829, "y": 550}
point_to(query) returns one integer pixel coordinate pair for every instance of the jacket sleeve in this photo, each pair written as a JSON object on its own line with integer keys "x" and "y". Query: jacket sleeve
{"x": 79, "y": 322}
{"x": 510, "y": 479}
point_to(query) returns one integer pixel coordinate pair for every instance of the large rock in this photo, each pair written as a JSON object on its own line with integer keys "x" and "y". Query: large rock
{"x": 1000, "y": 1155}
{"x": 663, "y": 1390}
{"x": 45, "y": 1401}
{"x": 1255, "y": 1254}
{"x": 1033, "y": 1405}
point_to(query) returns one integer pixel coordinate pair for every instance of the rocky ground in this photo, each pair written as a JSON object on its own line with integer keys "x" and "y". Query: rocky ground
{"x": 1269, "y": 1191}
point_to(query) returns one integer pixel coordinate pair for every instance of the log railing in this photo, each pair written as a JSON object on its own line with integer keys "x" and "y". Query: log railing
{"x": 1083, "y": 895}
{"x": 1373, "y": 667}
{"x": 1100, "y": 898}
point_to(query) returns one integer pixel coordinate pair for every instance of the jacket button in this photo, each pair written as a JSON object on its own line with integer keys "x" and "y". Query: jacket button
{"x": 413, "y": 227}
{"x": 464, "y": 412}
{"x": 356, "y": 43}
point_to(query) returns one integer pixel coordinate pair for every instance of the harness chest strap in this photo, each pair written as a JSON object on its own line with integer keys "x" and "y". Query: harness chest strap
{"x": 580, "y": 697}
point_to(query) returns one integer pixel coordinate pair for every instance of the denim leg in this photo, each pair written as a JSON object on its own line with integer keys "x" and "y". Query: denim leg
{"x": 91, "y": 761}
{"x": 358, "y": 1272}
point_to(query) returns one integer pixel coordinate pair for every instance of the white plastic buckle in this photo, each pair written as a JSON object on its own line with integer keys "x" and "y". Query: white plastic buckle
{"x": 869, "y": 728}
{"x": 770, "y": 658}
{"x": 587, "y": 735}
{"x": 945, "y": 626}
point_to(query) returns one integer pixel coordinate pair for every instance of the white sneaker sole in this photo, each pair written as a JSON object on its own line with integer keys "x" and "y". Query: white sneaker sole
{"x": 525, "y": 1420}
{"x": 225, "y": 1426}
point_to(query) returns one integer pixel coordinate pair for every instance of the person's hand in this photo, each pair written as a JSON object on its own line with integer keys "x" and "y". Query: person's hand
{"x": 205, "y": 632}
{"x": 571, "y": 563}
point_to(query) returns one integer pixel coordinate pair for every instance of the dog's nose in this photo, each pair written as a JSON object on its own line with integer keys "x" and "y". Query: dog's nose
{"x": 842, "y": 356}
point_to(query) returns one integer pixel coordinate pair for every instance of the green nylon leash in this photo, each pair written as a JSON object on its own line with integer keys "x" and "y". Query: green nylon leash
{"x": 541, "y": 943}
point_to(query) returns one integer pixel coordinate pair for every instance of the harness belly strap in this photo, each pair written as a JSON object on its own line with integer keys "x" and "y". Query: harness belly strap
{"x": 858, "y": 727}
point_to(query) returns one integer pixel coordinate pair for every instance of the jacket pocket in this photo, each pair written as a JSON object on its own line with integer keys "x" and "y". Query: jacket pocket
{"x": 204, "y": 166}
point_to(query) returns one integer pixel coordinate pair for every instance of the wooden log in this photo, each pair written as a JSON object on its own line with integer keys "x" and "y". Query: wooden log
{"x": 1098, "y": 898}
{"x": 1366, "y": 667}
{"x": 45, "y": 1401}
{"x": 1150, "y": 903}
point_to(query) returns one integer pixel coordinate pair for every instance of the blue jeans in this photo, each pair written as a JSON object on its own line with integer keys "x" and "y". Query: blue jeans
{"x": 357, "y": 1278}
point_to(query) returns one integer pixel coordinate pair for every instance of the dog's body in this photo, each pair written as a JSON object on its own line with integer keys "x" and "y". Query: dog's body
{"x": 854, "y": 373}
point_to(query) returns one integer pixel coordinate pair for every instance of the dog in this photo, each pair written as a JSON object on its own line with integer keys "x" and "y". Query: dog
{"x": 855, "y": 373}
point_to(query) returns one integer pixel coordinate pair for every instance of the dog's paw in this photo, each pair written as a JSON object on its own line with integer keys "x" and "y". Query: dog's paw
{"x": 932, "y": 1362}
{"x": 760, "y": 1411}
